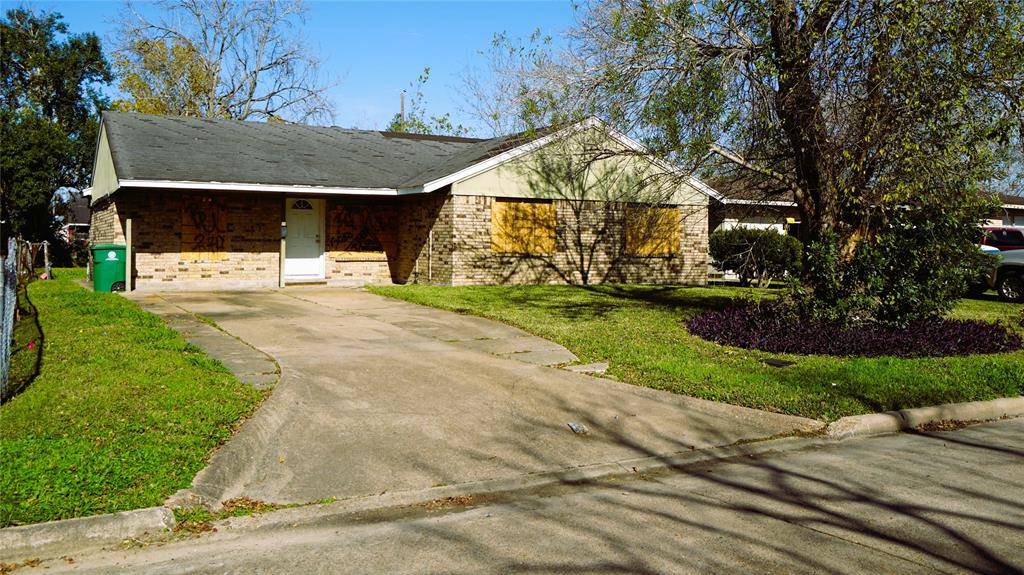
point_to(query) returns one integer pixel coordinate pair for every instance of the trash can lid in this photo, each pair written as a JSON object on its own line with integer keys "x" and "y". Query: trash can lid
{"x": 107, "y": 247}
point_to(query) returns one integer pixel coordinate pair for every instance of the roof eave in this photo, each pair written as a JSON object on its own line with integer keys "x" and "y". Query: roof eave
{"x": 265, "y": 188}
{"x": 772, "y": 203}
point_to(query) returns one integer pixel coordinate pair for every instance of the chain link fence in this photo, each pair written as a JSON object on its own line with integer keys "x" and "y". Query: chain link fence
{"x": 7, "y": 313}
{"x": 19, "y": 265}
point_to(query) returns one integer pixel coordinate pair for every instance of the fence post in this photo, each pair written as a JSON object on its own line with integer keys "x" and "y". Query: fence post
{"x": 10, "y": 303}
{"x": 46, "y": 258}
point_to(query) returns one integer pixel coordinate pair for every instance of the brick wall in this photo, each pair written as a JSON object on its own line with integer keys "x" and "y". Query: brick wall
{"x": 413, "y": 232}
{"x": 599, "y": 252}
{"x": 104, "y": 224}
{"x": 424, "y": 247}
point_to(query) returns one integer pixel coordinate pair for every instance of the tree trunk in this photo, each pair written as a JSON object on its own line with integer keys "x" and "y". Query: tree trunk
{"x": 799, "y": 109}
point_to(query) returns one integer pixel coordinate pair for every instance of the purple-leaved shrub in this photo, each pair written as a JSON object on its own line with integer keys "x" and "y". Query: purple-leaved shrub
{"x": 777, "y": 328}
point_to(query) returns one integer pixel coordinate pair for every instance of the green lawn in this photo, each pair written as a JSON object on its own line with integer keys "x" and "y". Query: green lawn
{"x": 123, "y": 412}
{"x": 639, "y": 331}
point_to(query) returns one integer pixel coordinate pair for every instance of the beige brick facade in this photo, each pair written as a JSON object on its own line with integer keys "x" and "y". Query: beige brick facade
{"x": 187, "y": 240}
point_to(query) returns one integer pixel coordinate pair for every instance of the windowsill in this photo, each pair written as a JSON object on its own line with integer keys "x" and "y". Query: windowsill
{"x": 358, "y": 257}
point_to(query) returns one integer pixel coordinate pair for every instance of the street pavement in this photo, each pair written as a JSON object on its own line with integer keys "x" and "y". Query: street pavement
{"x": 937, "y": 502}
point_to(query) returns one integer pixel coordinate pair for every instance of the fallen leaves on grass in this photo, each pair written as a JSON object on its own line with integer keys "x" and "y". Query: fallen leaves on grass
{"x": 9, "y": 567}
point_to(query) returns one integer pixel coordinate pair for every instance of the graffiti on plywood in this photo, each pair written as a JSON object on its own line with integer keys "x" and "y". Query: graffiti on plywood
{"x": 353, "y": 230}
{"x": 204, "y": 235}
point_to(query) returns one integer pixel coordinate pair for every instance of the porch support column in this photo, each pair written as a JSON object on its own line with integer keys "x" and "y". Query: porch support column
{"x": 284, "y": 240}
{"x": 128, "y": 254}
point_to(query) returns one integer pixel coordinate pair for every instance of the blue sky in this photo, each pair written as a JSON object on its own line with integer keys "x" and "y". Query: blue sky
{"x": 375, "y": 49}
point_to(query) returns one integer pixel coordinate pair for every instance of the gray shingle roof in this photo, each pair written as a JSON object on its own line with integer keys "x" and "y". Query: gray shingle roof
{"x": 148, "y": 147}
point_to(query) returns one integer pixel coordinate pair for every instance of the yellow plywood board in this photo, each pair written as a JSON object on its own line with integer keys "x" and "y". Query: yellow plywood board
{"x": 653, "y": 231}
{"x": 522, "y": 227}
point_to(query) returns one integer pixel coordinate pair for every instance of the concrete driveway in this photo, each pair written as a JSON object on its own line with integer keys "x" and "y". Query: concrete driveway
{"x": 378, "y": 395}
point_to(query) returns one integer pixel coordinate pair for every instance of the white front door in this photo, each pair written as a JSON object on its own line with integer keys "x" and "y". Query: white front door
{"x": 304, "y": 252}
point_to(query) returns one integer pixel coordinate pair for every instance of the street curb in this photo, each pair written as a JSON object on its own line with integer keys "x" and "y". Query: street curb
{"x": 908, "y": 419}
{"x": 847, "y": 427}
{"x": 50, "y": 538}
{"x": 47, "y": 540}
{"x": 359, "y": 506}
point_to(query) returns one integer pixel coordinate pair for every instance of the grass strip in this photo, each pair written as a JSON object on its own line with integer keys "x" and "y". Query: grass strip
{"x": 123, "y": 412}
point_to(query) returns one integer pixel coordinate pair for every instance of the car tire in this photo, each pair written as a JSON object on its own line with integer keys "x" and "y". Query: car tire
{"x": 1011, "y": 286}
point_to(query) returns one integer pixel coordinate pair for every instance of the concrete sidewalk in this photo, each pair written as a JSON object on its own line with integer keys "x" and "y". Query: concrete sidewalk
{"x": 378, "y": 395}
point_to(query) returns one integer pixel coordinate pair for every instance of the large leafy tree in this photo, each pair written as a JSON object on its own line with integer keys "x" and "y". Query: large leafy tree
{"x": 221, "y": 59}
{"x": 168, "y": 78}
{"x": 49, "y": 107}
{"x": 882, "y": 118}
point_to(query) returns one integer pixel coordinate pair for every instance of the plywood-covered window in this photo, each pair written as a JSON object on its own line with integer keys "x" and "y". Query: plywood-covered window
{"x": 354, "y": 231}
{"x": 523, "y": 226}
{"x": 204, "y": 230}
{"x": 652, "y": 231}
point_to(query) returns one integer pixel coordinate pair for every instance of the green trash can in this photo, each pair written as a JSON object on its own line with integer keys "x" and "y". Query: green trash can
{"x": 108, "y": 267}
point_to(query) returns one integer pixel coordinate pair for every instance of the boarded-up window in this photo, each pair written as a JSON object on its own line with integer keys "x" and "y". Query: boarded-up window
{"x": 204, "y": 234}
{"x": 522, "y": 226}
{"x": 353, "y": 231}
{"x": 652, "y": 231}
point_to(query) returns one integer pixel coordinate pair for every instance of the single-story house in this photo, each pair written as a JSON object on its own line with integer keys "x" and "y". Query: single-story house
{"x": 1010, "y": 212}
{"x": 221, "y": 204}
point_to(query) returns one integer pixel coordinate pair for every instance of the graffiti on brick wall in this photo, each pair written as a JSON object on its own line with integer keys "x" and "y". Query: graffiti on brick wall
{"x": 204, "y": 235}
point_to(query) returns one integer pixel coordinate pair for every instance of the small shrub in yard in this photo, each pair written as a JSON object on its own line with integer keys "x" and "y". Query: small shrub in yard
{"x": 776, "y": 327}
{"x": 754, "y": 253}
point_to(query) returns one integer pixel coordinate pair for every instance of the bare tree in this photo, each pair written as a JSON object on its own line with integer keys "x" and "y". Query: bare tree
{"x": 494, "y": 91}
{"x": 246, "y": 60}
{"x": 523, "y": 84}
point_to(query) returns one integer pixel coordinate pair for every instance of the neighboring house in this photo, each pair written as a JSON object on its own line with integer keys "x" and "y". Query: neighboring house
{"x": 775, "y": 209}
{"x": 759, "y": 207}
{"x": 77, "y": 215}
{"x": 1010, "y": 212}
{"x": 218, "y": 204}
